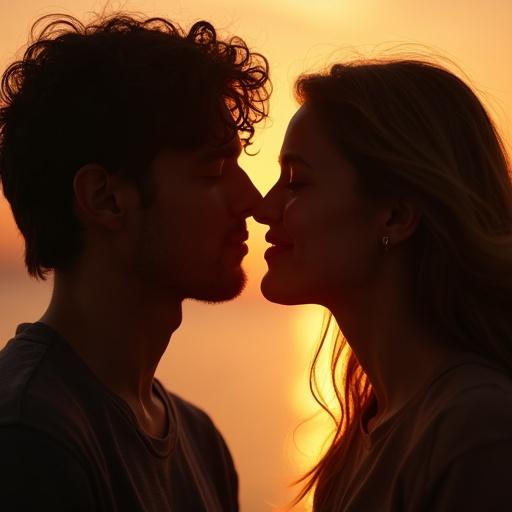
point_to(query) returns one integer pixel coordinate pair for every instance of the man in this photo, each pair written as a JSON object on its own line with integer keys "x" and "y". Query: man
{"x": 118, "y": 155}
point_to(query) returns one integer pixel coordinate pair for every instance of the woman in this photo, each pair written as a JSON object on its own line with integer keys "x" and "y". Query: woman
{"x": 394, "y": 211}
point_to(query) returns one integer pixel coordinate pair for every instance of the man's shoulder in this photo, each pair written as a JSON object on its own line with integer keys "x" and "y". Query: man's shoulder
{"x": 196, "y": 425}
{"x": 38, "y": 472}
{"x": 39, "y": 385}
{"x": 20, "y": 360}
{"x": 190, "y": 416}
{"x": 204, "y": 446}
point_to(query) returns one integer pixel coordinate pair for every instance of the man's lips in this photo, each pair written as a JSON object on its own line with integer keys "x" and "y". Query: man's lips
{"x": 238, "y": 238}
{"x": 236, "y": 243}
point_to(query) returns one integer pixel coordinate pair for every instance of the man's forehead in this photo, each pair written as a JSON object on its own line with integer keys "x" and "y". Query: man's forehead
{"x": 182, "y": 159}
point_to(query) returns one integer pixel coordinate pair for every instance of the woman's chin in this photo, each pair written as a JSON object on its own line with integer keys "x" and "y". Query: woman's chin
{"x": 280, "y": 292}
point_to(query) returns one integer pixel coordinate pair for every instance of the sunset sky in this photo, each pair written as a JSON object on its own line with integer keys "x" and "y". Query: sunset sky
{"x": 246, "y": 362}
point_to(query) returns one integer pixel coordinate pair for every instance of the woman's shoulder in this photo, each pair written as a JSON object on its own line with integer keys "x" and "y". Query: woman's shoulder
{"x": 470, "y": 385}
{"x": 459, "y": 440}
{"x": 468, "y": 406}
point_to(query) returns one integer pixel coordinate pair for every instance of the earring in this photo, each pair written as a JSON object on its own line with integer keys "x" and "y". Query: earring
{"x": 385, "y": 242}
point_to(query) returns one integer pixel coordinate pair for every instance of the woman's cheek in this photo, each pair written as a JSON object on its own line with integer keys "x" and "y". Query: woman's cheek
{"x": 294, "y": 217}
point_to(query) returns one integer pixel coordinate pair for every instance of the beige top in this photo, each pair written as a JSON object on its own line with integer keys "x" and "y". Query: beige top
{"x": 448, "y": 450}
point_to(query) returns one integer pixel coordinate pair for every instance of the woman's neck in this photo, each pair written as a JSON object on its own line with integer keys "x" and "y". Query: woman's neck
{"x": 398, "y": 353}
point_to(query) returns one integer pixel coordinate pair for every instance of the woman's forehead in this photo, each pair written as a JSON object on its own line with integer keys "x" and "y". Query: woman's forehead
{"x": 306, "y": 138}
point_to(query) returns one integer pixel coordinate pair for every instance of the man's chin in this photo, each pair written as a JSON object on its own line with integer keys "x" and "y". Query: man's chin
{"x": 226, "y": 290}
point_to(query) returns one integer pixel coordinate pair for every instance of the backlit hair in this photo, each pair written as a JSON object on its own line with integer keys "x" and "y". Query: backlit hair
{"x": 413, "y": 128}
{"x": 113, "y": 92}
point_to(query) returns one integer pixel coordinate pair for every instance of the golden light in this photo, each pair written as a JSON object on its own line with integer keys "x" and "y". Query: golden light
{"x": 247, "y": 362}
{"x": 316, "y": 426}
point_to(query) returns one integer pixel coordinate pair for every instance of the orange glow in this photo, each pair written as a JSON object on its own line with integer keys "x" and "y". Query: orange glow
{"x": 311, "y": 435}
{"x": 246, "y": 362}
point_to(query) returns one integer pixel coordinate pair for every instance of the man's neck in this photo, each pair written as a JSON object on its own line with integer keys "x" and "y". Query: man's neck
{"x": 118, "y": 332}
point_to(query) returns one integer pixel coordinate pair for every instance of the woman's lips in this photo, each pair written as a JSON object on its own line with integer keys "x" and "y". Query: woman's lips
{"x": 281, "y": 245}
{"x": 276, "y": 250}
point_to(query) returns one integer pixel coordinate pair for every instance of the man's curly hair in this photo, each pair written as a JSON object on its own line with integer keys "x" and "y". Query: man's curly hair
{"x": 113, "y": 92}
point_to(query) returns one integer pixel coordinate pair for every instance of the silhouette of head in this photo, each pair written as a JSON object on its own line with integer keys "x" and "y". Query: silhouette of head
{"x": 369, "y": 138}
{"x": 139, "y": 102}
{"x": 378, "y": 134}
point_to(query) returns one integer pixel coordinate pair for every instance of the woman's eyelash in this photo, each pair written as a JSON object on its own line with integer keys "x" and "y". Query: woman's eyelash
{"x": 294, "y": 185}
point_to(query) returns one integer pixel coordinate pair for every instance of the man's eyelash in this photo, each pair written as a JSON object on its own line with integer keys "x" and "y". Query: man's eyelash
{"x": 219, "y": 174}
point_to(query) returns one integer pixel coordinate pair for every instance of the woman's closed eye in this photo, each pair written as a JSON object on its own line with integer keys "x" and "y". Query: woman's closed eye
{"x": 297, "y": 180}
{"x": 295, "y": 185}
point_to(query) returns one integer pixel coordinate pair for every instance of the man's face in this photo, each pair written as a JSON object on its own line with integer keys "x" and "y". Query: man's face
{"x": 190, "y": 240}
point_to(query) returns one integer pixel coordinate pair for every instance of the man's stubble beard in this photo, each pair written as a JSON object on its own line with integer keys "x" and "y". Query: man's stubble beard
{"x": 171, "y": 275}
{"x": 221, "y": 292}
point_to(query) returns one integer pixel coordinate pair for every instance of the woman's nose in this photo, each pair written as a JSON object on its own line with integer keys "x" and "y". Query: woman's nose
{"x": 270, "y": 209}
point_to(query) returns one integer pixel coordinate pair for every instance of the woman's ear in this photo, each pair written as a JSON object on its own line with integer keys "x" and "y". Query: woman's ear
{"x": 403, "y": 219}
{"x": 100, "y": 197}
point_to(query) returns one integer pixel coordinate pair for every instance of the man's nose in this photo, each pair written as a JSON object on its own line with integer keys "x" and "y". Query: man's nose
{"x": 246, "y": 196}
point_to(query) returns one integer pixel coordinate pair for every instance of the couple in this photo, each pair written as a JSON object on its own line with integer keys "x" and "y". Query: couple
{"x": 119, "y": 148}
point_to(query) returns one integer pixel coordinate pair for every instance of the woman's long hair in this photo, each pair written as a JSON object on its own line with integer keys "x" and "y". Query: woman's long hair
{"x": 412, "y": 128}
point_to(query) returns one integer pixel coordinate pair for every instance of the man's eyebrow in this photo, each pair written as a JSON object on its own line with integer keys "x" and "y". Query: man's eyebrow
{"x": 228, "y": 151}
{"x": 287, "y": 159}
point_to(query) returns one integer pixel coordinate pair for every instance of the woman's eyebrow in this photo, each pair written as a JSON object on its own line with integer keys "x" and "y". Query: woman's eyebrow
{"x": 290, "y": 158}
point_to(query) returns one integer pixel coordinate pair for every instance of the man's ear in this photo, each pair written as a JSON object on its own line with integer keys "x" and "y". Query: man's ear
{"x": 100, "y": 197}
{"x": 402, "y": 221}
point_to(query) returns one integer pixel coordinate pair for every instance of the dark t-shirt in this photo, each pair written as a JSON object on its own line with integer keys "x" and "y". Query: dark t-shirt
{"x": 68, "y": 444}
{"x": 448, "y": 450}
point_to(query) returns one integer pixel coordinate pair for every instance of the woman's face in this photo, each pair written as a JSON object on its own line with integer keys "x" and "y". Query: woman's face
{"x": 326, "y": 238}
